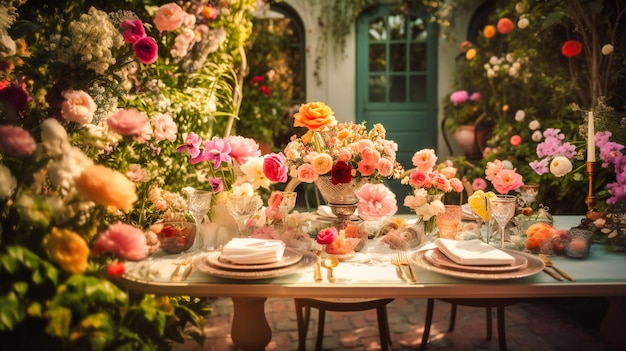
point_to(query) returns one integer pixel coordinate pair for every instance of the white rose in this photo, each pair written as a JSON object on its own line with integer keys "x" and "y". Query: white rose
{"x": 537, "y": 136}
{"x": 520, "y": 115}
{"x": 54, "y": 137}
{"x": 560, "y": 166}
{"x": 7, "y": 182}
{"x": 607, "y": 49}
{"x": 523, "y": 23}
{"x": 534, "y": 125}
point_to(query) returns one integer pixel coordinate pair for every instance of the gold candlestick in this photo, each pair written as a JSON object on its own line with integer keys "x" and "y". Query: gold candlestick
{"x": 590, "y": 198}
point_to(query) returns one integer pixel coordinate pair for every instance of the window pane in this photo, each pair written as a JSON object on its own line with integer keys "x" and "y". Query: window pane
{"x": 397, "y": 57}
{"x": 397, "y": 89}
{"x": 377, "y": 86}
{"x": 397, "y": 27}
{"x": 418, "y": 57}
{"x": 377, "y": 30}
{"x": 377, "y": 58}
{"x": 417, "y": 28}
{"x": 418, "y": 89}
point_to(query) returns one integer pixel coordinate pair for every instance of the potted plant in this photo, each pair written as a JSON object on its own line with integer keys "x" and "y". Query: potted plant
{"x": 462, "y": 115}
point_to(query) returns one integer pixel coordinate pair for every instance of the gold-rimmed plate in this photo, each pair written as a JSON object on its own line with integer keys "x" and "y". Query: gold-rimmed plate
{"x": 201, "y": 263}
{"x": 438, "y": 258}
{"x": 534, "y": 265}
{"x": 290, "y": 256}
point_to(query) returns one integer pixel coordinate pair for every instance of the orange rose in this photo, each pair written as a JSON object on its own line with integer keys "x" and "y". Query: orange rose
{"x": 68, "y": 249}
{"x": 106, "y": 187}
{"x": 470, "y": 54}
{"x": 314, "y": 116}
{"x": 489, "y": 31}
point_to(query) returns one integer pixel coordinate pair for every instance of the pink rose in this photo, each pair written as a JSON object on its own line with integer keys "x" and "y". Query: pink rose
{"x": 366, "y": 168}
{"x": 326, "y": 236}
{"x": 306, "y": 173}
{"x": 122, "y": 240}
{"x": 419, "y": 179}
{"x": 132, "y": 30}
{"x": 448, "y": 172}
{"x": 129, "y": 122}
{"x": 78, "y": 106}
{"x": 146, "y": 50}
{"x": 376, "y": 202}
{"x": 169, "y": 17}
{"x": 16, "y": 141}
{"x": 507, "y": 180}
{"x": 440, "y": 182}
{"x": 242, "y": 148}
{"x": 385, "y": 167}
{"x": 479, "y": 184}
{"x": 164, "y": 127}
{"x": 424, "y": 160}
{"x": 274, "y": 167}
{"x": 370, "y": 155}
{"x": 456, "y": 185}
{"x": 344, "y": 155}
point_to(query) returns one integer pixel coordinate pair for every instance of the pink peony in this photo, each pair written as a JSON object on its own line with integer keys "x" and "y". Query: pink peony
{"x": 306, "y": 173}
{"x": 146, "y": 50}
{"x": 326, "y": 236}
{"x": 376, "y": 202}
{"x": 129, "y": 122}
{"x": 132, "y": 30}
{"x": 122, "y": 240}
{"x": 169, "y": 17}
{"x": 459, "y": 97}
{"x": 424, "y": 160}
{"x": 507, "y": 180}
{"x": 492, "y": 169}
{"x": 242, "y": 148}
{"x": 274, "y": 167}
{"x": 479, "y": 184}
{"x": 16, "y": 141}
{"x": 164, "y": 127}
{"x": 78, "y": 106}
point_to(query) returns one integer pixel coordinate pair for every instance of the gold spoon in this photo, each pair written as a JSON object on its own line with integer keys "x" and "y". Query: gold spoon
{"x": 330, "y": 262}
{"x": 548, "y": 263}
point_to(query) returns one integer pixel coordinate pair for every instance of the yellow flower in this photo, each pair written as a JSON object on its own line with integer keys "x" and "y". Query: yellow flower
{"x": 68, "y": 249}
{"x": 478, "y": 203}
{"x": 106, "y": 187}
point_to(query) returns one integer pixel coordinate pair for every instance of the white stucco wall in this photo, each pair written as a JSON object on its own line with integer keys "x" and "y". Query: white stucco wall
{"x": 337, "y": 72}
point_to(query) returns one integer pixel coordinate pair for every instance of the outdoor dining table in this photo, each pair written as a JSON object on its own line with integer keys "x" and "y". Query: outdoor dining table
{"x": 602, "y": 273}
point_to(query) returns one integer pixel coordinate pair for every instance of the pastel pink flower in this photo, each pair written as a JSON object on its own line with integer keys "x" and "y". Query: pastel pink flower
{"x": 363, "y": 144}
{"x": 123, "y": 240}
{"x": 479, "y": 184}
{"x": 376, "y": 202}
{"x": 507, "y": 180}
{"x": 129, "y": 122}
{"x": 169, "y": 17}
{"x": 16, "y": 141}
{"x": 306, "y": 173}
{"x": 344, "y": 155}
{"x": 366, "y": 167}
{"x": 456, "y": 185}
{"x": 322, "y": 163}
{"x": 275, "y": 199}
{"x": 242, "y": 148}
{"x": 192, "y": 145}
{"x": 274, "y": 167}
{"x": 492, "y": 169}
{"x": 136, "y": 173}
{"x": 515, "y": 140}
{"x": 448, "y": 172}
{"x": 419, "y": 179}
{"x": 424, "y": 160}
{"x": 132, "y": 30}
{"x": 164, "y": 127}
{"x": 385, "y": 167}
{"x": 440, "y": 182}
{"x": 78, "y": 106}
{"x": 265, "y": 232}
{"x": 146, "y": 50}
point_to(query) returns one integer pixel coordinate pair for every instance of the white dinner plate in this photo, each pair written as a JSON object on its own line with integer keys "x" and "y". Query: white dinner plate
{"x": 439, "y": 259}
{"x": 534, "y": 265}
{"x": 290, "y": 256}
{"x": 200, "y": 262}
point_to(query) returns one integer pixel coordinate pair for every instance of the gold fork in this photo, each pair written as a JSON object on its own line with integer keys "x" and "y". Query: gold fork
{"x": 405, "y": 261}
{"x": 180, "y": 265}
{"x": 395, "y": 260}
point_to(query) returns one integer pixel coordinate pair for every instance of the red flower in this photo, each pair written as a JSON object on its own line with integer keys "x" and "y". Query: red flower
{"x": 257, "y": 79}
{"x": 116, "y": 270}
{"x": 571, "y": 48}
{"x": 505, "y": 25}
{"x": 341, "y": 173}
{"x": 265, "y": 90}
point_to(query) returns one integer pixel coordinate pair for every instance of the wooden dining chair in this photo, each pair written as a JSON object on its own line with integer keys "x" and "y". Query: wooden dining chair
{"x": 499, "y": 304}
{"x": 303, "y": 315}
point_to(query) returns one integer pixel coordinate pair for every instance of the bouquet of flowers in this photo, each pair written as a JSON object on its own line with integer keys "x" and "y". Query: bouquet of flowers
{"x": 339, "y": 150}
{"x": 429, "y": 185}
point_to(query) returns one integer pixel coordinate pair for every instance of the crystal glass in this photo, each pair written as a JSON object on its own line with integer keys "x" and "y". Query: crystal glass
{"x": 502, "y": 209}
{"x": 528, "y": 193}
{"x": 449, "y": 221}
{"x": 242, "y": 207}
{"x": 287, "y": 203}
{"x": 198, "y": 204}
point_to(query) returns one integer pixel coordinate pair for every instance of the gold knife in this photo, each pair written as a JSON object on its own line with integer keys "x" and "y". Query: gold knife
{"x": 317, "y": 275}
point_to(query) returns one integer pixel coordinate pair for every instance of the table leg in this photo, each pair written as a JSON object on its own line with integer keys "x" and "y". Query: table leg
{"x": 250, "y": 330}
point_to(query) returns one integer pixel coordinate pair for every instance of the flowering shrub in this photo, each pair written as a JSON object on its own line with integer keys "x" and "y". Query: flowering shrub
{"x": 341, "y": 150}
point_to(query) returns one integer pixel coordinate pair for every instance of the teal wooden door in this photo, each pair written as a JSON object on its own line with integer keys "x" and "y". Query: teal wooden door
{"x": 396, "y": 82}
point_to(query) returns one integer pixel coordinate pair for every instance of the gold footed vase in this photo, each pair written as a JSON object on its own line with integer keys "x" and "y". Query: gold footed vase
{"x": 341, "y": 198}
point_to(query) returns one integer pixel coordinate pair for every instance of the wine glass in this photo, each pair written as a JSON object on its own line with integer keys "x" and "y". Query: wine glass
{"x": 198, "y": 204}
{"x": 529, "y": 193}
{"x": 287, "y": 203}
{"x": 502, "y": 209}
{"x": 242, "y": 207}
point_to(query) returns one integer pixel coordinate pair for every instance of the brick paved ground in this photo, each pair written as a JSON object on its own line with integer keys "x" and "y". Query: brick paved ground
{"x": 530, "y": 325}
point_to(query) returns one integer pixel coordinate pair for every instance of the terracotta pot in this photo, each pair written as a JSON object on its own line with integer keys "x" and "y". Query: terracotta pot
{"x": 465, "y": 137}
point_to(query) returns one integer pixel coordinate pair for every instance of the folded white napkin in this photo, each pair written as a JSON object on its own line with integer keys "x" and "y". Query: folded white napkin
{"x": 473, "y": 252}
{"x": 253, "y": 251}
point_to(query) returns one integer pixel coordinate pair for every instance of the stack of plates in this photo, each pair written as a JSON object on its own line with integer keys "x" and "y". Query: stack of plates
{"x": 291, "y": 262}
{"x": 436, "y": 260}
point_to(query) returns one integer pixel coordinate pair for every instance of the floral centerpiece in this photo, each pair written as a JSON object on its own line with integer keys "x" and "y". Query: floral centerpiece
{"x": 429, "y": 186}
